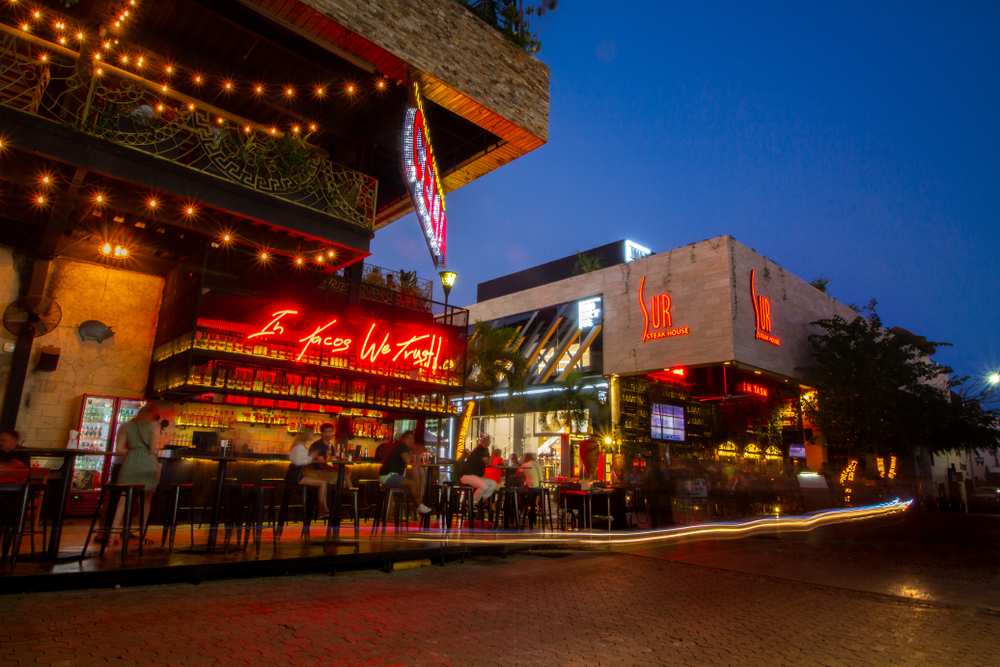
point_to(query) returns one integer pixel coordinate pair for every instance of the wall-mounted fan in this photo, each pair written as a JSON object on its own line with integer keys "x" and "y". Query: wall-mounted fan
{"x": 32, "y": 316}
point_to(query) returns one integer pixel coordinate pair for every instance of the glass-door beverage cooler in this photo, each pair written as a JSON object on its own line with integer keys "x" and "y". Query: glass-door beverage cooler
{"x": 100, "y": 419}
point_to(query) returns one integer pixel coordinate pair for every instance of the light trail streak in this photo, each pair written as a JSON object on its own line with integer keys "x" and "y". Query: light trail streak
{"x": 703, "y": 531}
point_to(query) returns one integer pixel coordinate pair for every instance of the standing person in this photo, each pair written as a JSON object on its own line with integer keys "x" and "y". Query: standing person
{"x": 474, "y": 472}
{"x": 393, "y": 471}
{"x": 139, "y": 437}
{"x": 9, "y": 458}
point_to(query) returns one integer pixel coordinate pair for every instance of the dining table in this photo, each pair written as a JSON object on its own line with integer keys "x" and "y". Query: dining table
{"x": 69, "y": 457}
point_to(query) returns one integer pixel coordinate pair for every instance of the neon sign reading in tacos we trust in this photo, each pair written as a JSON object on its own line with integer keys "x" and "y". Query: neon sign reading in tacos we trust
{"x": 379, "y": 343}
{"x": 423, "y": 180}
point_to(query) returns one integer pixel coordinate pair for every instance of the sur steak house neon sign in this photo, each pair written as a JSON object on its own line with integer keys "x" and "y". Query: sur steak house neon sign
{"x": 373, "y": 344}
{"x": 423, "y": 179}
{"x": 659, "y": 320}
{"x": 762, "y": 313}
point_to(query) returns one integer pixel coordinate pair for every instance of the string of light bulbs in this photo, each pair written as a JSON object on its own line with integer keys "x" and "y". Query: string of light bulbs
{"x": 110, "y": 53}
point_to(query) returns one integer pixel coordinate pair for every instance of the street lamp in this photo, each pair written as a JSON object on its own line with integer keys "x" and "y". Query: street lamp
{"x": 447, "y": 281}
{"x": 994, "y": 378}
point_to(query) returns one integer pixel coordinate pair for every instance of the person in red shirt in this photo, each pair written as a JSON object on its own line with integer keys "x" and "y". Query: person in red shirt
{"x": 9, "y": 458}
{"x": 492, "y": 471}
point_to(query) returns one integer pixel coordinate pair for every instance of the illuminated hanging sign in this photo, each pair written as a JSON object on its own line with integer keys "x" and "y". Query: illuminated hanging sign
{"x": 372, "y": 343}
{"x": 423, "y": 180}
{"x": 762, "y": 313}
{"x": 658, "y": 319}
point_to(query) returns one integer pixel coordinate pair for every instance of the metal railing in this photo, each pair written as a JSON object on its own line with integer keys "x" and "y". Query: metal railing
{"x": 54, "y": 82}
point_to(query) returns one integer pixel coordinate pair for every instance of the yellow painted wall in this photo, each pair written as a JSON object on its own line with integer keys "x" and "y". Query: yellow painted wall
{"x": 128, "y": 302}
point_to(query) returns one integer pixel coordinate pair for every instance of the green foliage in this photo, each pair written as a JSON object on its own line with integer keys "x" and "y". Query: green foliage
{"x": 571, "y": 405}
{"x": 587, "y": 263}
{"x": 493, "y": 358}
{"x": 820, "y": 283}
{"x": 873, "y": 391}
{"x": 517, "y": 23}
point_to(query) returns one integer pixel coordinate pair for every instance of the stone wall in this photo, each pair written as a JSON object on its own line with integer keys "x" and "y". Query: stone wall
{"x": 794, "y": 305}
{"x": 126, "y": 301}
{"x": 709, "y": 288}
{"x": 445, "y": 40}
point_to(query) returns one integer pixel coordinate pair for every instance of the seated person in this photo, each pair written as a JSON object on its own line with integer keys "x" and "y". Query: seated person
{"x": 393, "y": 471}
{"x": 9, "y": 457}
{"x": 492, "y": 472}
{"x": 473, "y": 472}
{"x": 300, "y": 457}
{"x": 531, "y": 471}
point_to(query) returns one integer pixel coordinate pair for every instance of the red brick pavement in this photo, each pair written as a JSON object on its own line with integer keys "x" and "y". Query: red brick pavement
{"x": 583, "y": 609}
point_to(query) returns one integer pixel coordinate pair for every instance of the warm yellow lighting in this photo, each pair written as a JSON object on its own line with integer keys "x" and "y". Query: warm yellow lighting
{"x": 99, "y": 199}
{"x": 140, "y": 62}
{"x": 221, "y": 121}
{"x": 263, "y": 256}
{"x": 229, "y": 86}
{"x": 350, "y": 89}
{"x": 312, "y": 126}
{"x": 152, "y": 203}
{"x": 290, "y": 92}
{"x": 170, "y": 70}
{"x": 226, "y": 238}
{"x": 38, "y": 15}
{"x": 260, "y": 89}
{"x": 106, "y": 249}
{"x": 295, "y": 129}
{"x": 44, "y": 57}
{"x": 607, "y": 440}
{"x": 97, "y": 56}
{"x": 319, "y": 260}
{"x": 62, "y": 40}
{"x": 448, "y": 278}
{"x": 125, "y": 59}
{"x": 197, "y": 79}
{"x": 164, "y": 89}
{"x": 381, "y": 84}
{"x": 46, "y": 180}
{"x": 40, "y": 199}
{"x": 190, "y": 210}
{"x": 107, "y": 45}
{"x": 331, "y": 254}
{"x": 190, "y": 107}
{"x": 298, "y": 260}
{"x": 120, "y": 251}
{"x": 100, "y": 71}
{"x": 159, "y": 107}
{"x": 79, "y": 35}
{"x": 274, "y": 130}
{"x": 319, "y": 91}
{"x": 246, "y": 129}
{"x": 25, "y": 27}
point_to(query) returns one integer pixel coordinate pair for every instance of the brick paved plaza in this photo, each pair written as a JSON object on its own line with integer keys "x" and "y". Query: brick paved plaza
{"x": 552, "y": 608}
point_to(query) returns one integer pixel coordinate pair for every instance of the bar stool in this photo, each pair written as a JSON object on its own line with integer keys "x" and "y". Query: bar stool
{"x": 37, "y": 485}
{"x": 132, "y": 494}
{"x": 338, "y": 505}
{"x": 172, "y": 496}
{"x": 308, "y": 507}
{"x": 385, "y": 502}
{"x": 506, "y": 495}
{"x": 14, "y": 491}
{"x": 537, "y": 499}
{"x": 234, "y": 505}
{"x": 255, "y": 503}
{"x": 459, "y": 494}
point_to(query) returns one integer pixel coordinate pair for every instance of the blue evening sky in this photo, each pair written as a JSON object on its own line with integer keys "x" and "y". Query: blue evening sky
{"x": 859, "y": 141}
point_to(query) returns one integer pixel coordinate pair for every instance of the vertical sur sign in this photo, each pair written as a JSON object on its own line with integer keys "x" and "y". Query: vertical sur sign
{"x": 762, "y": 313}
{"x": 423, "y": 179}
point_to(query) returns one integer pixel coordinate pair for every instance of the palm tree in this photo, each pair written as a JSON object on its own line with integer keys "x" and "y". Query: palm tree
{"x": 493, "y": 358}
{"x": 570, "y": 406}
